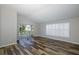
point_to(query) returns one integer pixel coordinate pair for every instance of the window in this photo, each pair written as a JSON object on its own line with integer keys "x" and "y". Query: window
{"x": 60, "y": 29}
{"x": 28, "y": 28}
{"x": 24, "y": 29}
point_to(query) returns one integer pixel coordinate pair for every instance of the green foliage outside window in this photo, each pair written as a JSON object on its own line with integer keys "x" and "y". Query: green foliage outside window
{"x": 24, "y": 29}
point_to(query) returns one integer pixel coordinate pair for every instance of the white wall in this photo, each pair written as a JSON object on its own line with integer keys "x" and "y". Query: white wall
{"x": 0, "y": 26}
{"x": 8, "y": 26}
{"x": 74, "y": 30}
{"x": 26, "y": 20}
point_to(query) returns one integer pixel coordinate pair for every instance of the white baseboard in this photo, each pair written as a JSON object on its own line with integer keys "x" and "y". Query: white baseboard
{"x": 7, "y": 45}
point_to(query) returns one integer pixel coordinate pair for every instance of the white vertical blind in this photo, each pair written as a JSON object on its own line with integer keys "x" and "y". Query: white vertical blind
{"x": 60, "y": 29}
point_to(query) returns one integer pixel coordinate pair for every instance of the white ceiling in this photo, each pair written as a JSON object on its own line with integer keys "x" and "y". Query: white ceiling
{"x": 47, "y": 12}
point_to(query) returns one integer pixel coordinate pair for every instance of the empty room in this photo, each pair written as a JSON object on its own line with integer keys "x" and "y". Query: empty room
{"x": 39, "y": 29}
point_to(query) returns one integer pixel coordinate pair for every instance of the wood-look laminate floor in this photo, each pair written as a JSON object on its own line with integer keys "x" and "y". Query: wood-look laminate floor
{"x": 42, "y": 46}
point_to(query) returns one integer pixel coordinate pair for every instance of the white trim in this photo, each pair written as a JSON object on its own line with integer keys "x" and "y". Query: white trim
{"x": 7, "y": 45}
